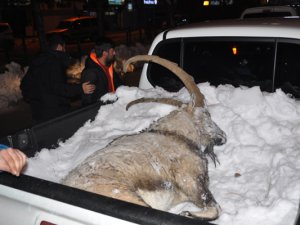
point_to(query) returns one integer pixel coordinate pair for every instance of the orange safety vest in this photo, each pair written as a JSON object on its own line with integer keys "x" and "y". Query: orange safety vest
{"x": 107, "y": 70}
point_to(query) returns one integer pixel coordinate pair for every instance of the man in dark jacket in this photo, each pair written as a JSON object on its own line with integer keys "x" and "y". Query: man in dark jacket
{"x": 99, "y": 71}
{"x": 45, "y": 85}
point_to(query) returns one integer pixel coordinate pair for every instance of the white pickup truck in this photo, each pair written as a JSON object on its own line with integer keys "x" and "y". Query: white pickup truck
{"x": 263, "y": 53}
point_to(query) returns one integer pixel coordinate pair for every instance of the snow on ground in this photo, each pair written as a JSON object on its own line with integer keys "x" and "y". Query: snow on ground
{"x": 10, "y": 81}
{"x": 258, "y": 178}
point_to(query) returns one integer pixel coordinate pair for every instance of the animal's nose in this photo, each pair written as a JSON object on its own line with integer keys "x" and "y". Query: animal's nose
{"x": 220, "y": 140}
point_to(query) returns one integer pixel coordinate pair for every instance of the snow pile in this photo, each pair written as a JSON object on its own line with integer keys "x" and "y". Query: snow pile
{"x": 258, "y": 178}
{"x": 10, "y": 80}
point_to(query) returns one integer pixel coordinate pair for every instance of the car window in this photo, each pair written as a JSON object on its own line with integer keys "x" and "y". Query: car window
{"x": 248, "y": 63}
{"x": 267, "y": 14}
{"x": 93, "y": 22}
{"x": 245, "y": 62}
{"x": 288, "y": 68}
{"x": 159, "y": 75}
{"x": 3, "y": 28}
{"x": 85, "y": 23}
{"x": 77, "y": 24}
{"x": 64, "y": 25}
{"x": 218, "y": 61}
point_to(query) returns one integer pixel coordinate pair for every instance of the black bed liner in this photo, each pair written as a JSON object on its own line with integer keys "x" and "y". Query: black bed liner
{"x": 49, "y": 133}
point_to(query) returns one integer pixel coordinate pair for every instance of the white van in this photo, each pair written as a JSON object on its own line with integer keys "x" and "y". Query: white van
{"x": 269, "y": 11}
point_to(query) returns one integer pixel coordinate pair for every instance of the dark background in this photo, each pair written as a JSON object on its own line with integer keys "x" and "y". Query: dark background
{"x": 31, "y": 19}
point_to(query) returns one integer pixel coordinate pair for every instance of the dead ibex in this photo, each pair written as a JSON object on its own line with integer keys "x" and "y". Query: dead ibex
{"x": 162, "y": 166}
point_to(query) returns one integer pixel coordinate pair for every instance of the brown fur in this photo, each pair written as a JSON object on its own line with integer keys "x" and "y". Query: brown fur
{"x": 163, "y": 163}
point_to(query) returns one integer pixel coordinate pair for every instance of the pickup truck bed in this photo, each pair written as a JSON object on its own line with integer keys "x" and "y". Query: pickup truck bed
{"x": 29, "y": 200}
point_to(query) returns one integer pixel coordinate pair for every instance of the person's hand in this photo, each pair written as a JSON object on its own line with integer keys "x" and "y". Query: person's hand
{"x": 88, "y": 88}
{"x": 12, "y": 160}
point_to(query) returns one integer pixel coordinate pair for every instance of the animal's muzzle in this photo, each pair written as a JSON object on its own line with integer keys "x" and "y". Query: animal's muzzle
{"x": 221, "y": 139}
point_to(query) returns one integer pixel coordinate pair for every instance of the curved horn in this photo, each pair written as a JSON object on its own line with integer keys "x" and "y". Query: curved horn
{"x": 168, "y": 101}
{"x": 173, "y": 67}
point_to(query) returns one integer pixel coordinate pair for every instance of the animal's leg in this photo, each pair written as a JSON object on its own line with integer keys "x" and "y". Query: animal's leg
{"x": 167, "y": 199}
{"x": 209, "y": 209}
{"x": 208, "y": 213}
{"x": 158, "y": 199}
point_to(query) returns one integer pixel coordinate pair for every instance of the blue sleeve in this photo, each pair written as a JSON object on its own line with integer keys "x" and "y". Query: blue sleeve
{"x": 3, "y": 147}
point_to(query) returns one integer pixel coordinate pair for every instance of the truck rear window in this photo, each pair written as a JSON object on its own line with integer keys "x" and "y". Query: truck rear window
{"x": 218, "y": 62}
{"x": 160, "y": 76}
{"x": 230, "y": 62}
{"x": 288, "y": 69}
{"x": 267, "y": 14}
{"x": 236, "y": 61}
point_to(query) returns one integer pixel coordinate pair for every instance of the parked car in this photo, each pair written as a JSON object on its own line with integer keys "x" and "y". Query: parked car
{"x": 256, "y": 52}
{"x": 7, "y": 40}
{"x": 77, "y": 28}
{"x": 269, "y": 11}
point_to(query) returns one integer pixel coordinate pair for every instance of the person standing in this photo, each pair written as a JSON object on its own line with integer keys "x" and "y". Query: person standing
{"x": 45, "y": 86}
{"x": 99, "y": 71}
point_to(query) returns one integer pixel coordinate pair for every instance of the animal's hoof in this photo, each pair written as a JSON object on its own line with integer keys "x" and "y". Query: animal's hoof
{"x": 186, "y": 214}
